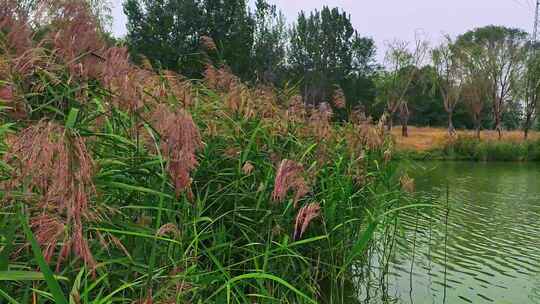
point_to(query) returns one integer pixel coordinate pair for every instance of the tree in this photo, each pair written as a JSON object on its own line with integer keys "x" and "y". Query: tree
{"x": 448, "y": 78}
{"x": 402, "y": 65}
{"x": 476, "y": 89}
{"x": 497, "y": 52}
{"x": 269, "y": 42}
{"x": 325, "y": 50}
{"x": 231, "y": 26}
{"x": 531, "y": 89}
{"x": 168, "y": 33}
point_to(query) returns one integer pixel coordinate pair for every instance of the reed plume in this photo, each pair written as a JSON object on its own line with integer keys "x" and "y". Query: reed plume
{"x": 304, "y": 217}
{"x": 248, "y": 168}
{"x": 118, "y": 77}
{"x": 407, "y": 183}
{"x": 14, "y": 25}
{"x": 320, "y": 122}
{"x": 211, "y": 77}
{"x": 338, "y": 99}
{"x": 296, "y": 112}
{"x": 178, "y": 88}
{"x": 6, "y": 93}
{"x": 76, "y": 38}
{"x": 55, "y": 165}
{"x": 208, "y": 43}
{"x": 169, "y": 228}
{"x": 180, "y": 141}
{"x": 289, "y": 177}
{"x": 266, "y": 106}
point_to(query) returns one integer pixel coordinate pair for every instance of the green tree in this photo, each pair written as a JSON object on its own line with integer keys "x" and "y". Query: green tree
{"x": 497, "y": 53}
{"x": 403, "y": 64}
{"x": 448, "y": 78}
{"x": 530, "y": 88}
{"x": 270, "y": 39}
{"x": 168, "y": 33}
{"x": 231, "y": 26}
{"x": 476, "y": 93}
{"x": 325, "y": 50}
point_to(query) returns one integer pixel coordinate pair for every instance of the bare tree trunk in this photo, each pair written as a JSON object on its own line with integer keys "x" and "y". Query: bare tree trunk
{"x": 389, "y": 122}
{"x": 451, "y": 129}
{"x": 404, "y": 130}
{"x": 497, "y": 105}
{"x": 404, "y": 118}
{"x": 527, "y": 126}
{"x": 478, "y": 123}
{"x": 498, "y": 127}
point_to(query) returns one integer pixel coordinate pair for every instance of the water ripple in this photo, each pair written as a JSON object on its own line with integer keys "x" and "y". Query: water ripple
{"x": 493, "y": 230}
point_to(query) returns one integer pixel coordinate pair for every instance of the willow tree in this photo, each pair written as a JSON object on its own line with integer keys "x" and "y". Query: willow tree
{"x": 498, "y": 53}
{"x": 531, "y": 90}
{"x": 402, "y": 64}
{"x": 475, "y": 93}
{"x": 448, "y": 78}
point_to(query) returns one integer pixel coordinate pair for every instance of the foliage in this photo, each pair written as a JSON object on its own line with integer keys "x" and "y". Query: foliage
{"x": 269, "y": 48}
{"x": 448, "y": 78}
{"x": 495, "y": 53}
{"x": 168, "y": 33}
{"x": 468, "y": 148}
{"x": 326, "y": 50}
{"x": 141, "y": 186}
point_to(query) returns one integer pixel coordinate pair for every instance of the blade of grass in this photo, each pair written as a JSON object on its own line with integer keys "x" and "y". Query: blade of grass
{"x": 264, "y": 276}
{"x": 4, "y": 255}
{"x": 6, "y": 296}
{"x": 72, "y": 118}
{"x": 52, "y": 283}
{"x": 20, "y": 275}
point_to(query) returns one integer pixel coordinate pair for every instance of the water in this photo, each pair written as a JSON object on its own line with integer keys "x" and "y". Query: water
{"x": 492, "y": 237}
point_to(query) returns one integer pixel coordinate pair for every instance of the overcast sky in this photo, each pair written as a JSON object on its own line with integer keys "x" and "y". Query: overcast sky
{"x": 386, "y": 20}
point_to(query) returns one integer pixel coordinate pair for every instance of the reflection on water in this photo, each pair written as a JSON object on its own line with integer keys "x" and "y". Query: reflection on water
{"x": 492, "y": 247}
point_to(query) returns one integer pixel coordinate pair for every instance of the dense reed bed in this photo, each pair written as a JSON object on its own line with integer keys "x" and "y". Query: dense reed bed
{"x": 471, "y": 149}
{"x": 123, "y": 183}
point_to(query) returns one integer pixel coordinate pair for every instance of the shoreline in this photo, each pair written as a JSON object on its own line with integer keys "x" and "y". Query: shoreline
{"x": 428, "y": 144}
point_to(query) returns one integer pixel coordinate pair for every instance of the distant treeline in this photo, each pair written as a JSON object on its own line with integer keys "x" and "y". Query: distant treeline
{"x": 321, "y": 53}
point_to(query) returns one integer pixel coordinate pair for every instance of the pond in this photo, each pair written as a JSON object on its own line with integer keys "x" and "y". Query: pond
{"x": 483, "y": 248}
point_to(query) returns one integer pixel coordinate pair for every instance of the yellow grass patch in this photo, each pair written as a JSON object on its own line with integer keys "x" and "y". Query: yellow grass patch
{"x": 425, "y": 138}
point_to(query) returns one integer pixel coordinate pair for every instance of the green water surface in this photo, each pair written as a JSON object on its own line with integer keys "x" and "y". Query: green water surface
{"x": 489, "y": 250}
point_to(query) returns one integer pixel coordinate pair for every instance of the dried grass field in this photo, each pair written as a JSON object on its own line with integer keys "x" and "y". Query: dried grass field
{"x": 426, "y": 138}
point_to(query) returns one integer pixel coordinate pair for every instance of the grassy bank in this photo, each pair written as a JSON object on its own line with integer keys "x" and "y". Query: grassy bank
{"x": 435, "y": 144}
{"x": 128, "y": 184}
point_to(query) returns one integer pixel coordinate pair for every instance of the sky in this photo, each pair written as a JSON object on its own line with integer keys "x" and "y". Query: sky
{"x": 387, "y": 20}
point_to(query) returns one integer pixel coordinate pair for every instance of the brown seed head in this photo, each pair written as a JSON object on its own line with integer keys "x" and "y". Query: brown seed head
{"x": 6, "y": 93}
{"x": 339, "y": 99}
{"x": 55, "y": 164}
{"x": 208, "y": 43}
{"x": 304, "y": 217}
{"x": 248, "y": 168}
{"x": 407, "y": 183}
{"x": 289, "y": 177}
{"x": 76, "y": 38}
{"x": 180, "y": 141}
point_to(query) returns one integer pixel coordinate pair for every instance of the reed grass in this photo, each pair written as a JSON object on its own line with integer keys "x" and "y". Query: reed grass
{"x": 140, "y": 186}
